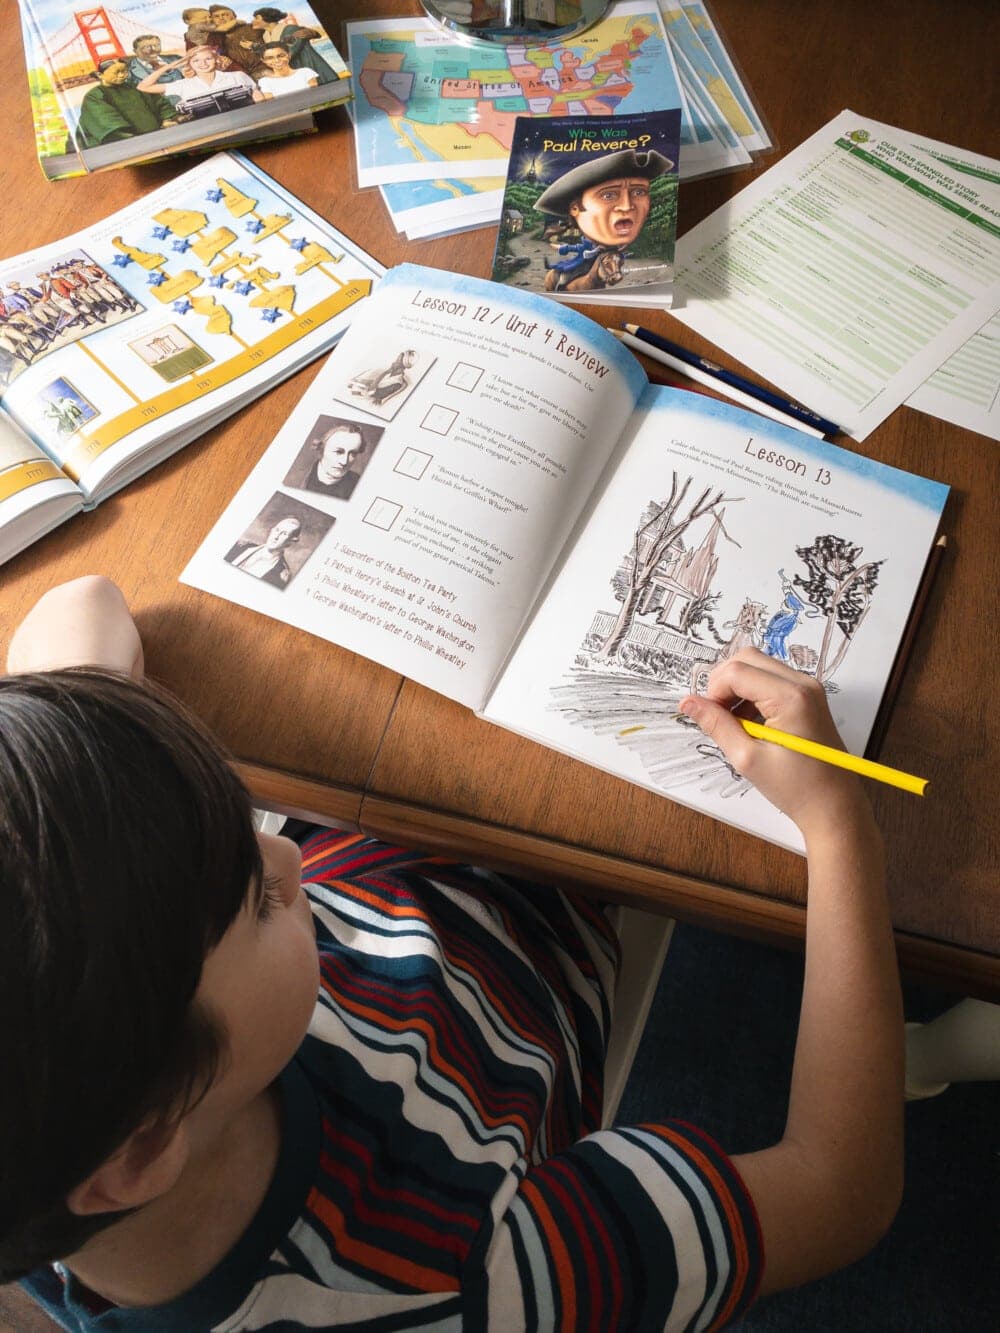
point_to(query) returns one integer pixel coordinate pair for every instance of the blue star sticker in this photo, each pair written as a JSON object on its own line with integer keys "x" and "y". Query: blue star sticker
{"x": 270, "y": 315}
{"x": 161, "y": 233}
{"x": 156, "y": 278}
{"x": 215, "y": 195}
{"x": 122, "y": 261}
{"x": 182, "y": 305}
{"x": 299, "y": 243}
{"x": 180, "y": 246}
{"x": 218, "y": 281}
{"x": 254, "y": 226}
{"x": 244, "y": 288}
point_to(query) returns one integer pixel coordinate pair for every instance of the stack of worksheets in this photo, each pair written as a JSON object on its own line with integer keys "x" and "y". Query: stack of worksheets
{"x": 434, "y": 116}
{"x": 859, "y": 273}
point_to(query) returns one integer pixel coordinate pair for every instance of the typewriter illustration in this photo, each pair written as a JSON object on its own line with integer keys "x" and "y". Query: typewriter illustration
{"x": 227, "y": 99}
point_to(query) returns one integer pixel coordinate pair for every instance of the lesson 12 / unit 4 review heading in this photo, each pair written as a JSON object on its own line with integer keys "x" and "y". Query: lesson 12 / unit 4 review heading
{"x": 514, "y": 324}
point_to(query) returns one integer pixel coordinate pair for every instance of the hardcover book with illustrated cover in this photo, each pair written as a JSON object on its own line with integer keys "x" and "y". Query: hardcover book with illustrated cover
{"x": 117, "y": 84}
{"x": 590, "y": 208}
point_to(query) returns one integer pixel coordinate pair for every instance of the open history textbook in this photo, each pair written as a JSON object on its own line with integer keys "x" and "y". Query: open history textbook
{"x": 121, "y": 343}
{"x": 481, "y": 490}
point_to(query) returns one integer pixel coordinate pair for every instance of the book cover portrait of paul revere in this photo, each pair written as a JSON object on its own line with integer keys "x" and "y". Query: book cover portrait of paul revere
{"x": 590, "y": 204}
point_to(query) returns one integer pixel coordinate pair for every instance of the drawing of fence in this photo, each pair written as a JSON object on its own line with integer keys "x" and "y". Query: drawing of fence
{"x": 653, "y": 636}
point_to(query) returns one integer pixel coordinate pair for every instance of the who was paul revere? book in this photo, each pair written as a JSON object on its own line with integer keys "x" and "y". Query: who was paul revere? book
{"x": 590, "y": 208}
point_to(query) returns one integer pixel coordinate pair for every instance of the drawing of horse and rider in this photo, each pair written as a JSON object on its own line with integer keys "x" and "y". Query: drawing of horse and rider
{"x": 608, "y": 201}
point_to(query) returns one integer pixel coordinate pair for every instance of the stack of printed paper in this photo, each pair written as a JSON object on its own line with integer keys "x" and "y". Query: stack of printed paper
{"x": 434, "y": 117}
{"x": 861, "y": 272}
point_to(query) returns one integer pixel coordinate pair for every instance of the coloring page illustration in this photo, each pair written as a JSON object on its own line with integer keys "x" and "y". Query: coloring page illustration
{"x": 711, "y": 531}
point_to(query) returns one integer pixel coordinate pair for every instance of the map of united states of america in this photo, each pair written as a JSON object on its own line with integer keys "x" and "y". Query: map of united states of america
{"x": 482, "y": 93}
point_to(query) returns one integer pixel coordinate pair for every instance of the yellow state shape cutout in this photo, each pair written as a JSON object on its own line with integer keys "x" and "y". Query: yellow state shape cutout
{"x": 313, "y": 254}
{"x": 216, "y": 241}
{"x": 219, "y": 318}
{"x": 272, "y": 223}
{"x": 278, "y": 298}
{"x": 177, "y": 286}
{"x": 235, "y": 200}
{"x": 144, "y": 258}
{"x": 262, "y": 276}
{"x": 226, "y": 262}
{"x": 181, "y": 221}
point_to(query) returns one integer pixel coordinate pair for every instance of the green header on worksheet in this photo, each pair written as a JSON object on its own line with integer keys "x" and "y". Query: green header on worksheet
{"x": 920, "y": 187}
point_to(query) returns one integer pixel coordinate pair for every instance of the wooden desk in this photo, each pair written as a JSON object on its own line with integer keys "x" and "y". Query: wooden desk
{"x": 326, "y": 732}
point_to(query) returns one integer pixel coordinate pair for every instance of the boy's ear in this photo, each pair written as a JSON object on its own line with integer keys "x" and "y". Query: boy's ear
{"x": 145, "y": 1167}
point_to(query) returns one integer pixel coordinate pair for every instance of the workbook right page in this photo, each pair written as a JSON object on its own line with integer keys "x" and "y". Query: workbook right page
{"x": 715, "y": 529}
{"x": 848, "y": 273}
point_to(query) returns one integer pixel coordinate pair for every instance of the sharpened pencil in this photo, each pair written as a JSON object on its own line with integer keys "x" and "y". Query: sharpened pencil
{"x": 840, "y": 758}
{"x": 786, "y": 406}
{"x": 711, "y": 382}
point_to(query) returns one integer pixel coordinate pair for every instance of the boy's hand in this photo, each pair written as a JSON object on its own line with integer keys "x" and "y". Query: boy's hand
{"x": 807, "y": 790}
{"x": 82, "y": 623}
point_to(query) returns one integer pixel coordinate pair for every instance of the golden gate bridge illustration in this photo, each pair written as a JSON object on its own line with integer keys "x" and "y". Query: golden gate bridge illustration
{"x": 92, "y": 35}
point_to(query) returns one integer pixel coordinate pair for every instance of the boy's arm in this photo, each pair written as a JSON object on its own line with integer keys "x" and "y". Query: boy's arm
{"x": 829, "y": 1189}
{"x": 82, "y": 623}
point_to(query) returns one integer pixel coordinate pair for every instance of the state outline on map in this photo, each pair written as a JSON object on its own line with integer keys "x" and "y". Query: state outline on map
{"x": 603, "y": 70}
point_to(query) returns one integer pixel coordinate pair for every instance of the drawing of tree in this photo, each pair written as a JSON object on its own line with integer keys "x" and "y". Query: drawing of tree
{"x": 839, "y": 587}
{"x": 658, "y": 530}
{"x": 697, "y": 612}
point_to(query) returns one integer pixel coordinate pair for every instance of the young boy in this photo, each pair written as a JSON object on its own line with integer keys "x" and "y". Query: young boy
{"x": 428, "y": 1155}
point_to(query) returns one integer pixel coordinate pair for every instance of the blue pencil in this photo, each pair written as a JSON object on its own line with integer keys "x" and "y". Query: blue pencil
{"x": 737, "y": 381}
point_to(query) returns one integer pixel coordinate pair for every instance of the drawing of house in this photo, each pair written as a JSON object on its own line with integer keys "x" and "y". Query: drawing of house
{"x": 684, "y": 572}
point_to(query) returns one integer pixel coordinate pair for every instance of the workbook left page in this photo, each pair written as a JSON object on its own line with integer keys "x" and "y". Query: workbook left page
{"x": 417, "y": 499}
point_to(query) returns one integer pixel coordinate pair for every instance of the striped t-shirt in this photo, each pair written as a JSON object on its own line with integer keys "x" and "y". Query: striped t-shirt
{"x": 442, "y": 1164}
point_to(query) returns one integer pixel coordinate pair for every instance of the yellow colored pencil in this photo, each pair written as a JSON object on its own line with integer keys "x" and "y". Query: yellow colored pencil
{"x": 840, "y": 758}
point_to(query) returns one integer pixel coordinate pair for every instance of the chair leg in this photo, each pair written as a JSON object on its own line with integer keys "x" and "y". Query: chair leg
{"x": 645, "y": 938}
{"x": 962, "y": 1045}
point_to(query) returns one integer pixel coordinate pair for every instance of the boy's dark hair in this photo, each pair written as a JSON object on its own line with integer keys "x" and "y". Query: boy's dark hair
{"x": 126, "y": 850}
{"x": 270, "y": 15}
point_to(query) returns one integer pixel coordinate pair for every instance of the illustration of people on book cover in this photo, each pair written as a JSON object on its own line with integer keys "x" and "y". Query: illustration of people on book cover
{"x": 135, "y": 68}
{"x": 590, "y": 204}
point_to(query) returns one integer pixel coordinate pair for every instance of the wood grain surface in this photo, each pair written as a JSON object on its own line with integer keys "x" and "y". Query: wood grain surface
{"x": 321, "y": 730}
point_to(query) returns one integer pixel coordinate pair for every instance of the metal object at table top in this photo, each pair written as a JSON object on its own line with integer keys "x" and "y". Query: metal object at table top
{"x": 512, "y": 21}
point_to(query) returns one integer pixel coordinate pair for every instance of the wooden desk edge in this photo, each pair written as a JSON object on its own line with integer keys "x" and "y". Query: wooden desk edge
{"x": 652, "y": 889}
{"x": 301, "y": 798}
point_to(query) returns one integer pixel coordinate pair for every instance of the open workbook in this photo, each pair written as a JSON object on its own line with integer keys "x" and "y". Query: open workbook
{"x": 481, "y": 490}
{"x": 120, "y": 344}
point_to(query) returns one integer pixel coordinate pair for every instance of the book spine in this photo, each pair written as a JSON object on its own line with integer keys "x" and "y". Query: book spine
{"x": 49, "y": 109}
